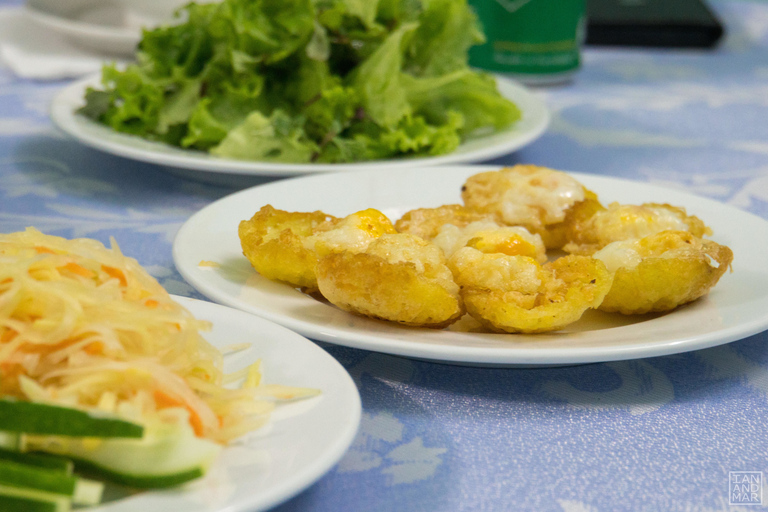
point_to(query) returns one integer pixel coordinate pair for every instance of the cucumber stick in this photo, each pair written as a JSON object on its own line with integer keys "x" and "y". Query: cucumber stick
{"x": 14, "y": 499}
{"x": 40, "y": 460}
{"x": 158, "y": 456}
{"x": 167, "y": 455}
{"x": 24, "y": 476}
{"x": 15, "y": 504}
{"x": 10, "y": 441}
{"x": 47, "y": 419}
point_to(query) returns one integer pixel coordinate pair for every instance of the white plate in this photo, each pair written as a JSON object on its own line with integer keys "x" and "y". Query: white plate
{"x": 737, "y": 307}
{"x": 302, "y": 441}
{"x": 535, "y": 118}
{"x": 100, "y": 26}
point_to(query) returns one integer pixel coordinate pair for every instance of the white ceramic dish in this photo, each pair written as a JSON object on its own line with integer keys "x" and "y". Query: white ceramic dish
{"x": 737, "y": 307}
{"x": 302, "y": 442}
{"x": 99, "y": 26}
{"x": 533, "y": 123}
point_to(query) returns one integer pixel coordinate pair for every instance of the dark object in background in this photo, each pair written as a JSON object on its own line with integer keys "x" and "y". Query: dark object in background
{"x": 658, "y": 23}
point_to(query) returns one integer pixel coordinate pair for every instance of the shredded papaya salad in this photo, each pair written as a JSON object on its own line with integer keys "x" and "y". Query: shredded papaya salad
{"x": 84, "y": 326}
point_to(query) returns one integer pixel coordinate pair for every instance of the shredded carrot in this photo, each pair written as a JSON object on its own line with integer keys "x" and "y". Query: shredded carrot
{"x": 78, "y": 269}
{"x": 94, "y": 348}
{"x": 44, "y": 250}
{"x": 9, "y": 378}
{"x": 44, "y": 348}
{"x": 196, "y": 423}
{"x": 8, "y": 335}
{"x": 151, "y": 303}
{"x": 164, "y": 400}
{"x": 116, "y": 273}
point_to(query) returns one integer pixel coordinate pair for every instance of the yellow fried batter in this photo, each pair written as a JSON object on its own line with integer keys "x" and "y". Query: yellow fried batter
{"x": 558, "y": 235}
{"x": 486, "y": 236}
{"x": 537, "y": 198}
{"x": 398, "y": 277}
{"x": 285, "y": 246}
{"x": 352, "y": 233}
{"x": 625, "y": 222}
{"x": 273, "y": 241}
{"x": 516, "y": 294}
{"x": 426, "y": 222}
{"x": 661, "y": 272}
{"x": 482, "y": 264}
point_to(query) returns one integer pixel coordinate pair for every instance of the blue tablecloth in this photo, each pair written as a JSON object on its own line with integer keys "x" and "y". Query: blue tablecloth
{"x": 654, "y": 434}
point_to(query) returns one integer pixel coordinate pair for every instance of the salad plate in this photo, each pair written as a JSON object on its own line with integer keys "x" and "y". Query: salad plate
{"x": 734, "y": 309}
{"x": 301, "y": 442}
{"x": 534, "y": 121}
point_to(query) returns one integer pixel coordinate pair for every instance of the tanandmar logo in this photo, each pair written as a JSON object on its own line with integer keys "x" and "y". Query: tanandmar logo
{"x": 745, "y": 488}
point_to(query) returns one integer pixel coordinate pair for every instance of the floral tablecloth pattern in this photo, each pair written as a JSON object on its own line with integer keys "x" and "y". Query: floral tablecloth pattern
{"x": 659, "y": 434}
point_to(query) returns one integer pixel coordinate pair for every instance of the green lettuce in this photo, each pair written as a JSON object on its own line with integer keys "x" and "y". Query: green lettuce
{"x": 307, "y": 81}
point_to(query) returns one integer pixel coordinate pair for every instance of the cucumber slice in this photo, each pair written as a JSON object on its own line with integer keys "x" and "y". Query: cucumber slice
{"x": 12, "y": 504}
{"x": 153, "y": 481}
{"x": 23, "y": 476}
{"x": 13, "y": 499}
{"x": 41, "y": 460}
{"x": 10, "y": 441}
{"x": 15, "y": 474}
{"x": 39, "y": 418}
{"x": 167, "y": 455}
{"x": 87, "y": 492}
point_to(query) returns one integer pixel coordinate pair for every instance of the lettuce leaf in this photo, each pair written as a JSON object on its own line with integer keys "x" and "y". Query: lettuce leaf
{"x": 442, "y": 41}
{"x": 307, "y": 81}
{"x": 378, "y": 80}
{"x": 471, "y": 94}
{"x": 277, "y": 138}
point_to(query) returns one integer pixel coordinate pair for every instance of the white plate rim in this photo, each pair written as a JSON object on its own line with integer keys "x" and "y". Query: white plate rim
{"x": 346, "y": 422}
{"x": 418, "y": 346}
{"x": 534, "y": 122}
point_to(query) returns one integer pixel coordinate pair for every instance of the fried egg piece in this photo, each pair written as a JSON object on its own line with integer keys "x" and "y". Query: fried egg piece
{"x": 273, "y": 242}
{"x": 285, "y": 246}
{"x": 398, "y": 277}
{"x": 516, "y": 294}
{"x": 538, "y": 198}
{"x": 628, "y": 222}
{"x": 661, "y": 272}
{"x": 354, "y": 232}
{"x": 426, "y": 222}
{"x": 490, "y": 237}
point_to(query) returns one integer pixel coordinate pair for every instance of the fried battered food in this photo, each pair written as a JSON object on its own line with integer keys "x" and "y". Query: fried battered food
{"x": 482, "y": 265}
{"x": 398, "y": 277}
{"x": 285, "y": 246}
{"x": 453, "y": 226}
{"x": 662, "y": 271}
{"x": 537, "y": 198}
{"x": 627, "y": 222}
{"x": 353, "y": 233}
{"x": 515, "y": 294}
{"x": 274, "y": 242}
{"x": 426, "y": 222}
{"x": 486, "y": 236}
{"x": 558, "y": 235}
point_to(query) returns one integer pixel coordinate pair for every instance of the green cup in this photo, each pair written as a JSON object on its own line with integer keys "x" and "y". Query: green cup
{"x": 534, "y": 41}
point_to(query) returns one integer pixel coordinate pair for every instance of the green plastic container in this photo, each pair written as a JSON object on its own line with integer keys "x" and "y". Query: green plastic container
{"x": 534, "y": 41}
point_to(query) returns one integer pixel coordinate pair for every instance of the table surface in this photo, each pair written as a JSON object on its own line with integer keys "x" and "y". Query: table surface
{"x": 440, "y": 437}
